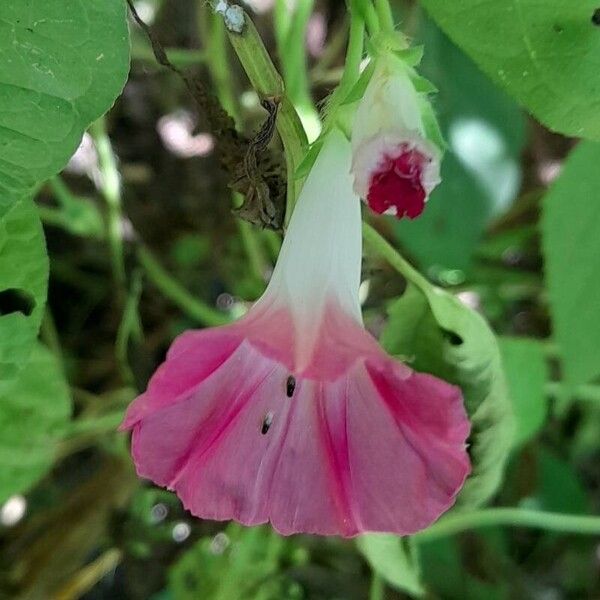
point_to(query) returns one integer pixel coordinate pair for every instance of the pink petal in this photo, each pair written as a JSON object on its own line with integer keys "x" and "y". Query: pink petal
{"x": 363, "y": 444}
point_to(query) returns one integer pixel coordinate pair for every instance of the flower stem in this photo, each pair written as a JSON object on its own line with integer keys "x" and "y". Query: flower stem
{"x": 290, "y": 33}
{"x": 368, "y": 13}
{"x": 130, "y": 326}
{"x": 175, "y": 292}
{"x": 516, "y": 517}
{"x": 377, "y": 587}
{"x": 111, "y": 191}
{"x": 354, "y": 55}
{"x": 384, "y": 12}
{"x": 380, "y": 245}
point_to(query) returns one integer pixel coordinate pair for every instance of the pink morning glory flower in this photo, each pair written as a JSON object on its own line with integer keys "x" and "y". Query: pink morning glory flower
{"x": 395, "y": 163}
{"x": 294, "y": 414}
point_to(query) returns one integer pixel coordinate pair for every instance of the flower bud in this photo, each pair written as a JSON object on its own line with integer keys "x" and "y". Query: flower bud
{"x": 396, "y": 143}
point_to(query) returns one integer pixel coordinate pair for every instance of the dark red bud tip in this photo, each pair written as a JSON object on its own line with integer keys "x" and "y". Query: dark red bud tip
{"x": 398, "y": 184}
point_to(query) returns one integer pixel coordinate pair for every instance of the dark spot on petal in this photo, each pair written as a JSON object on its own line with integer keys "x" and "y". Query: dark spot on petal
{"x": 267, "y": 422}
{"x": 452, "y": 337}
{"x": 596, "y": 17}
{"x": 14, "y": 300}
{"x": 290, "y": 386}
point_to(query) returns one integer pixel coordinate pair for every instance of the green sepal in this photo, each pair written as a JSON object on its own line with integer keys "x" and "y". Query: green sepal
{"x": 432, "y": 128}
{"x": 422, "y": 85}
{"x": 358, "y": 90}
{"x": 411, "y": 56}
{"x": 309, "y": 158}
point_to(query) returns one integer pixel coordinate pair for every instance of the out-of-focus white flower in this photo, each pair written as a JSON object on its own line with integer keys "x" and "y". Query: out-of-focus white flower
{"x": 396, "y": 143}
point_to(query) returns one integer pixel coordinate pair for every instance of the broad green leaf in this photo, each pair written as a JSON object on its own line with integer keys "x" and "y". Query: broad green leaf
{"x": 33, "y": 412}
{"x": 434, "y": 332}
{"x": 571, "y": 243}
{"x": 559, "y": 488}
{"x": 527, "y": 375}
{"x": 444, "y": 572}
{"x": 63, "y": 64}
{"x": 23, "y": 284}
{"x": 546, "y": 54}
{"x": 234, "y": 565}
{"x": 484, "y": 131}
{"x": 388, "y": 556}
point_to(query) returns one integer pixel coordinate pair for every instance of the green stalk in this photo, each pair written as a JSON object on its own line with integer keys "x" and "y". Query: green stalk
{"x": 214, "y": 33}
{"x": 515, "y": 517}
{"x": 354, "y": 55}
{"x": 268, "y": 83}
{"x": 130, "y": 326}
{"x": 380, "y": 245}
{"x": 377, "y": 588}
{"x": 175, "y": 292}
{"x": 384, "y": 12}
{"x": 180, "y": 57}
{"x": 368, "y": 14}
{"x": 111, "y": 191}
{"x": 290, "y": 30}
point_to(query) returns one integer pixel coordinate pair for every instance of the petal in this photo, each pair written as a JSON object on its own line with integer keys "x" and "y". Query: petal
{"x": 193, "y": 356}
{"x": 379, "y": 448}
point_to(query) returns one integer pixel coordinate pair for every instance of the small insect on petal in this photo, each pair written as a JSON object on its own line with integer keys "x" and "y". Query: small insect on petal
{"x": 267, "y": 422}
{"x": 290, "y": 386}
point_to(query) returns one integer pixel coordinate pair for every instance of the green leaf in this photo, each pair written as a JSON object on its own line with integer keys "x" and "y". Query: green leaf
{"x": 33, "y": 413}
{"x": 445, "y": 572}
{"x": 235, "y": 565}
{"x": 389, "y": 557}
{"x": 545, "y": 54}
{"x": 435, "y": 333}
{"x": 23, "y": 284}
{"x": 63, "y": 64}
{"x": 481, "y": 173}
{"x": 571, "y": 243}
{"x": 527, "y": 375}
{"x": 559, "y": 487}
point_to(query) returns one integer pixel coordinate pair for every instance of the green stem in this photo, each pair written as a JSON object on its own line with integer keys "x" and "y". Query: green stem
{"x": 380, "y": 245}
{"x": 52, "y": 216}
{"x": 384, "y": 12}
{"x": 130, "y": 326}
{"x": 214, "y": 33}
{"x": 175, "y": 292}
{"x": 515, "y": 517}
{"x": 377, "y": 587}
{"x": 60, "y": 190}
{"x": 354, "y": 55}
{"x": 586, "y": 393}
{"x": 268, "y": 83}
{"x": 368, "y": 13}
{"x": 50, "y": 335}
{"x": 253, "y": 249}
{"x": 111, "y": 191}
{"x": 180, "y": 57}
{"x": 290, "y": 30}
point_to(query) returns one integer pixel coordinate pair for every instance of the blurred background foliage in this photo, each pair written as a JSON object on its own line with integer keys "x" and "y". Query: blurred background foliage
{"x": 142, "y": 244}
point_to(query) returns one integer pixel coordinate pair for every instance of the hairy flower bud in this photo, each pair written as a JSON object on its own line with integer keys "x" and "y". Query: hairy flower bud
{"x": 396, "y": 144}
